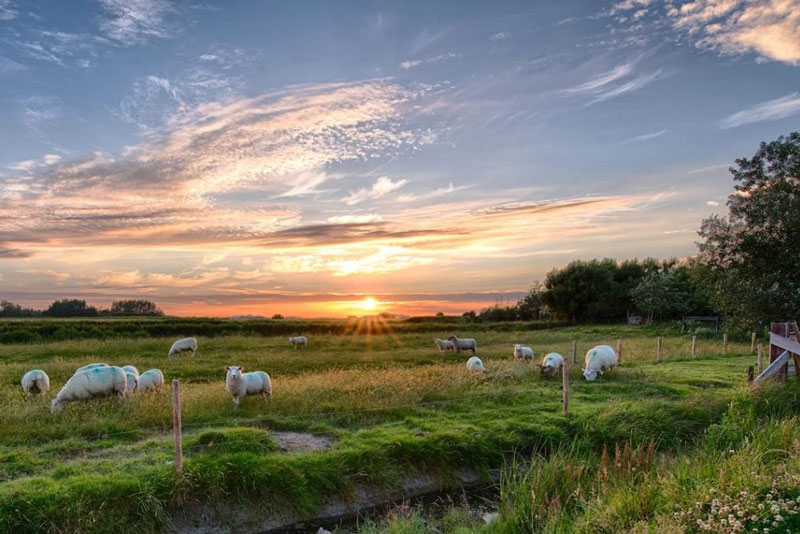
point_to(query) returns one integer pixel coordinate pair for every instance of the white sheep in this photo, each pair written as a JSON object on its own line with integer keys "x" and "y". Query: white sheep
{"x": 90, "y": 366}
{"x": 464, "y": 344}
{"x": 444, "y": 344}
{"x": 598, "y": 360}
{"x": 552, "y": 364}
{"x": 522, "y": 352}
{"x": 183, "y": 345}
{"x": 151, "y": 380}
{"x": 35, "y": 382}
{"x": 131, "y": 382}
{"x": 240, "y": 384}
{"x": 299, "y": 341}
{"x": 92, "y": 383}
{"x": 131, "y": 369}
{"x": 475, "y": 364}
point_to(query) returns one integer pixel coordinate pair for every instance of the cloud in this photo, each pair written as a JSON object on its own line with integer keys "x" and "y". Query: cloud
{"x": 426, "y": 38}
{"x": 645, "y": 137}
{"x": 712, "y": 203}
{"x": 410, "y": 64}
{"x": 40, "y": 114}
{"x": 436, "y": 193}
{"x": 355, "y": 219}
{"x": 770, "y": 28}
{"x": 7, "y": 10}
{"x": 771, "y": 110}
{"x": 500, "y": 36}
{"x": 607, "y": 85}
{"x": 382, "y": 186}
{"x": 130, "y": 22}
{"x": 601, "y": 80}
{"x": 627, "y": 87}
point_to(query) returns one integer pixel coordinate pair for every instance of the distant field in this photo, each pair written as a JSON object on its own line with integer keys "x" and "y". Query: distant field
{"x": 387, "y": 404}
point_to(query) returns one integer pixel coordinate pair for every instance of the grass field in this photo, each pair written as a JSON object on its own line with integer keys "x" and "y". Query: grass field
{"x": 389, "y": 405}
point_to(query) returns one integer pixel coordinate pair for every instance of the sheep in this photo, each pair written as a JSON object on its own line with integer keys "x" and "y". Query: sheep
{"x": 96, "y": 382}
{"x": 551, "y": 364}
{"x": 598, "y": 360}
{"x": 523, "y": 353}
{"x": 131, "y": 382}
{"x": 444, "y": 344}
{"x": 90, "y": 366}
{"x": 183, "y": 345}
{"x": 299, "y": 341}
{"x": 35, "y": 382}
{"x": 240, "y": 384}
{"x": 151, "y": 380}
{"x": 131, "y": 369}
{"x": 475, "y": 364}
{"x": 463, "y": 344}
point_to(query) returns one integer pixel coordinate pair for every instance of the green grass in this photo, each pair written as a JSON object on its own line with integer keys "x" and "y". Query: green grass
{"x": 390, "y": 402}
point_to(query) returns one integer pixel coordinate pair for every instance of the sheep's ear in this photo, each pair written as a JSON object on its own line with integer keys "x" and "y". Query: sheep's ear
{"x": 227, "y": 368}
{"x": 241, "y": 369}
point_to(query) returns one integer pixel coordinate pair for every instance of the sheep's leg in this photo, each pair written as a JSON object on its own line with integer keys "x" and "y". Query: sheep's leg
{"x": 235, "y": 403}
{"x": 266, "y": 396}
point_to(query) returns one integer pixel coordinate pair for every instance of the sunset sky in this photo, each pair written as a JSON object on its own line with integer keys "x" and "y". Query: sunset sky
{"x": 296, "y": 157}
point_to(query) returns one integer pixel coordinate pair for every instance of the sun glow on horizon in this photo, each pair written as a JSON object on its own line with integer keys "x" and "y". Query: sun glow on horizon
{"x": 369, "y": 304}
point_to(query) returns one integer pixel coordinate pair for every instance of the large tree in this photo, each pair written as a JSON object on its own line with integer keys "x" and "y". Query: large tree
{"x": 70, "y": 308}
{"x": 749, "y": 261}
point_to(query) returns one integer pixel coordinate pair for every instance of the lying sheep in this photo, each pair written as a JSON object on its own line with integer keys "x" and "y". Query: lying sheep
{"x": 92, "y": 383}
{"x": 35, "y": 382}
{"x": 90, "y": 366}
{"x": 598, "y": 360}
{"x": 523, "y": 353}
{"x": 475, "y": 364}
{"x": 464, "y": 344}
{"x": 444, "y": 344}
{"x": 131, "y": 369}
{"x": 551, "y": 364}
{"x": 131, "y": 382}
{"x": 183, "y": 345}
{"x": 240, "y": 384}
{"x": 151, "y": 380}
{"x": 299, "y": 341}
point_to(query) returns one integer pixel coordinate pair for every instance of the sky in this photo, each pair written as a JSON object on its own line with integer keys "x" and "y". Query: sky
{"x": 297, "y": 157}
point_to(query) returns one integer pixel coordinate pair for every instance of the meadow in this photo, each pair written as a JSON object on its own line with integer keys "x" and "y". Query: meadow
{"x": 382, "y": 406}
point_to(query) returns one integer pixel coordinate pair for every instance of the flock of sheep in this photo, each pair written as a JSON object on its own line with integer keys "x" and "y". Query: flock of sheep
{"x": 102, "y": 380}
{"x": 598, "y": 360}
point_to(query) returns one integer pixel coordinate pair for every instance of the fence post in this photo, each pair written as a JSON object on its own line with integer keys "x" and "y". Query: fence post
{"x": 619, "y": 350}
{"x": 753, "y": 343}
{"x": 782, "y": 329}
{"x": 760, "y": 358}
{"x": 694, "y": 346}
{"x": 574, "y": 352}
{"x": 565, "y": 386}
{"x": 750, "y": 374}
{"x": 724, "y": 343}
{"x": 658, "y": 350}
{"x": 176, "y": 424}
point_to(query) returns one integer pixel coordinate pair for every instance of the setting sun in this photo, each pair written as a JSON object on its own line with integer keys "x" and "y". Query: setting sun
{"x": 369, "y": 304}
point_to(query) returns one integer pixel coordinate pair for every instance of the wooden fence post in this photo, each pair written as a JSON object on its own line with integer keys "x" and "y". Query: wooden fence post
{"x": 724, "y": 344}
{"x": 176, "y": 425}
{"x": 565, "y": 386}
{"x": 619, "y": 350}
{"x": 753, "y": 343}
{"x": 782, "y": 329}
{"x": 694, "y": 346}
{"x": 658, "y": 350}
{"x": 760, "y": 358}
{"x": 574, "y": 352}
{"x": 750, "y": 376}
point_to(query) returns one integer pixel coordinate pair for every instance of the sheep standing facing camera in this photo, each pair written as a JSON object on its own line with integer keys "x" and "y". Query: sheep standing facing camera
{"x": 240, "y": 384}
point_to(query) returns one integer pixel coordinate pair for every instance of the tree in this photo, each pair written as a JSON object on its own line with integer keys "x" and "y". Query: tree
{"x": 277, "y": 317}
{"x": 530, "y": 307}
{"x": 9, "y": 309}
{"x": 135, "y": 307}
{"x": 660, "y": 295}
{"x": 748, "y": 260}
{"x": 70, "y": 308}
{"x": 586, "y": 291}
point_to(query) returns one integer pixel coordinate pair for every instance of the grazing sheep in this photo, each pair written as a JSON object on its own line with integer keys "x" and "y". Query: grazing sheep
{"x": 92, "y": 383}
{"x": 475, "y": 364}
{"x": 240, "y": 384}
{"x": 598, "y": 360}
{"x": 151, "y": 380}
{"x": 523, "y": 353}
{"x": 35, "y": 382}
{"x": 183, "y": 345}
{"x": 90, "y": 366}
{"x": 463, "y": 344}
{"x": 131, "y": 382}
{"x": 552, "y": 364}
{"x": 131, "y": 369}
{"x": 444, "y": 344}
{"x": 299, "y": 341}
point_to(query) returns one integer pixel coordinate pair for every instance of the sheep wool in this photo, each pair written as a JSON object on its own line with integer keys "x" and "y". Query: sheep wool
{"x": 92, "y": 383}
{"x": 35, "y": 382}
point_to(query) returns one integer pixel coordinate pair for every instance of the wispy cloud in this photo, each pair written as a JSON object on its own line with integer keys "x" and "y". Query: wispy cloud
{"x": 382, "y": 187}
{"x": 130, "y": 22}
{"x": 601, "y": 80}
{"x": 610, "y": 84}
{"x": 627, "y": 87}
{"x": 426, "y": 38}
{"x": 436, "y": 193}
{"x": 645, "y": 137}
{"x": 500, "y": 36}
{"x": 8, "y": 10}
{"x": 771, "y": 110}
{"x": 411, "y": 63}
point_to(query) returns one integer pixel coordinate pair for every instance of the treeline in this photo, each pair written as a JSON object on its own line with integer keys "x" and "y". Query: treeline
{"x": 79, "y": 308}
